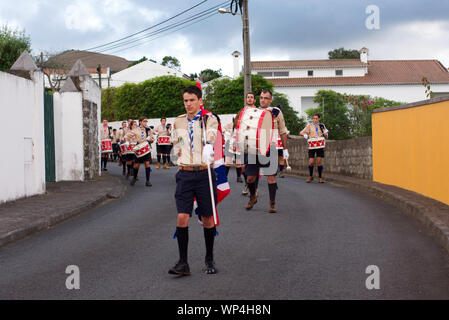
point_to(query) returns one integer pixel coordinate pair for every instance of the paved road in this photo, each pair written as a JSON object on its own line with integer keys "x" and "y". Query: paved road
{"x": 317, "y": 247}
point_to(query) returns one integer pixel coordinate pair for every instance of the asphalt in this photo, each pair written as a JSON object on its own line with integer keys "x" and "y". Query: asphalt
{"x": 317, "y": 246}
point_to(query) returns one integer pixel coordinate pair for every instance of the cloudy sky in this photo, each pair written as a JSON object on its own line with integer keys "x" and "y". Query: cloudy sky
{"x": 280, "y": 29}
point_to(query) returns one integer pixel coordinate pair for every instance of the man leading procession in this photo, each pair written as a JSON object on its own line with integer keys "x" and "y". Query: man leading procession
{"x": 194, "y": 135}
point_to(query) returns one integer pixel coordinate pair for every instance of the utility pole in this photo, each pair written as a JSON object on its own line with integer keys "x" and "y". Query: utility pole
{"x": 246, "y": 50}
{"x": 99, "y": 75}
{"x": 323, "y": 109}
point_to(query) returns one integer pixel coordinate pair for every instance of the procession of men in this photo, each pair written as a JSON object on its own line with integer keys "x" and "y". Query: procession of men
{"x": 255, "y": 142}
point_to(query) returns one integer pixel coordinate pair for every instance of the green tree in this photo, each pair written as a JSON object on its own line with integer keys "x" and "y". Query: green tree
{"x": 193, "y": 76}
{"x": 138, "y": 61}
{"x": 209, "y": 74}
{"x": 227, "y": 96}
{"x": 293, "y": 123}
{"x": 360, "y": 110}
{"x": 341, "y": 53}
{"x": 171, "y": 62}
{"x": 12, "y": 44}
{"x": 155, "y": 98}
{"x": 108, "y": 110}
{"x": 335, "y": 116}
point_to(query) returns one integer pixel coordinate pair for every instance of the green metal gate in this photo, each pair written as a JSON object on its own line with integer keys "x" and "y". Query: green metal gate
{"x": 49, "y": 130}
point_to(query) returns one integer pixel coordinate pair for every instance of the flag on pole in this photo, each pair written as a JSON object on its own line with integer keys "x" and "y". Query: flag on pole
{"x": 223, "y": 188}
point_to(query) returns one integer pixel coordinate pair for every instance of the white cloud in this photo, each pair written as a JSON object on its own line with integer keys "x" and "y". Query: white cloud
{"x": 81, "y": 15}
{"x": 411, "y": 40}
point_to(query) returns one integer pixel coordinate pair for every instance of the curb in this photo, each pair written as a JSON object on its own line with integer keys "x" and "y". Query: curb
{"x": 46, "y": 223}
{"x": 434, "y": 215}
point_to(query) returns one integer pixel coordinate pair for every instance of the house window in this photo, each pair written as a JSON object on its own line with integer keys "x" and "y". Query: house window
{"x": 282, "y": 74}
{"x": 265, "y": 74}
{"x": 310, "y": 73}
{"x": 338, "y": 72}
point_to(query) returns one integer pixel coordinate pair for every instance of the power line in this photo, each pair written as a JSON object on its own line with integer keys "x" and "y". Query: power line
{"x": 166, "y": 28}
{"x": 146, "y": 29}
{"x": 207, "y": 17}
{"x": 206, "y": 13}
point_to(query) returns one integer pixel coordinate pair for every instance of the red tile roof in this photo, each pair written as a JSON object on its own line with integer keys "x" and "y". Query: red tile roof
{"x": 379, "y": 72}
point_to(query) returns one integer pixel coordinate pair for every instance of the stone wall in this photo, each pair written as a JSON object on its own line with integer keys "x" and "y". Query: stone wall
{"x": 352, "y": 157}
{"x": 90, "y": 133}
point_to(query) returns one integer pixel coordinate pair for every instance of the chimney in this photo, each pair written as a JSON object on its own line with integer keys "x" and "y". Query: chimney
{"x": 236, "y": 56}
{"x": 364, "y": 55}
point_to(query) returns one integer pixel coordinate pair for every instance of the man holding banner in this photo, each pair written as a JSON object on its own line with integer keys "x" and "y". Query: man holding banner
{"x": 194, "y": 136}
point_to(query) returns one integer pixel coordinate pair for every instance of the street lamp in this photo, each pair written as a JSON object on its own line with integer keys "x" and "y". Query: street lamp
{"x": 246, "y": 45}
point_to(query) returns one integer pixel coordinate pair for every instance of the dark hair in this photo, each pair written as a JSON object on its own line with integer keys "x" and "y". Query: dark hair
{"x": 114, "y": 129}
{"x": 193, "y": 90}
{"x": 251, "y": 93}
{"x": 141, "y": 119}
{"x": 163, "y": 119}
{"x": 267, "y": 91}
{"x": 317, "y": 114}
{"x": 124, "y": 122}
{"x": 132, "y": 123}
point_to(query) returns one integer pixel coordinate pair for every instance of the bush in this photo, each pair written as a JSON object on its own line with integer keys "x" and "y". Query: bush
{"x": 155, "y": 98}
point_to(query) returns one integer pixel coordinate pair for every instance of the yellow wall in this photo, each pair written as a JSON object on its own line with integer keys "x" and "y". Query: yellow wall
{"x": 411, "y": 149}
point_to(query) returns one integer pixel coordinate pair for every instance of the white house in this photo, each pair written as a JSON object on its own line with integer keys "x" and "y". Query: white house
{"x": 143, "y": 71}
{"x": 399, "y": 80}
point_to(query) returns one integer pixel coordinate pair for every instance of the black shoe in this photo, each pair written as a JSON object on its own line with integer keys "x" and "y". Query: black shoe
{"x": 148, "y": 184}
{"x": 181, "y": 268}
{"x": 210, "y": 268}
{"x": 239, "y": 179}
{"x": 124, "y": 173}
{"x": 133, "y": 181}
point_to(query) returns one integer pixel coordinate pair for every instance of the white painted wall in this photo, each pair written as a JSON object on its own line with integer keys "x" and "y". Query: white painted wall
{"x": 69, "y": 151}
{"x": 319, "y": 72}
{"x": 22, "y": 99}
{"x": 402, "y": 93}
{"x": 69, "y": 135}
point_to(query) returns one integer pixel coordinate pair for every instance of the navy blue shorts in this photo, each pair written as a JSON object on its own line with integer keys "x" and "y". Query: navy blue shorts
{"x": 190, "y": 185}
{"x": 143, "y": 159}
{"x": 163, "y": 149}
{"x": 253, "y": 163}
{"x": 319, "y": 153}
{"x": 129, "y": 157}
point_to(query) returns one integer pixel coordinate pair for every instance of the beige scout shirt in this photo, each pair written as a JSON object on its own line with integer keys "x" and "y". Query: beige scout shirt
{"x": 310, "y": 130}
{"x": 138, "y": 135}
{"x": 181, "y": 140}
{"x": 161, "y": 131}
{"x": 279, "y": 123}
{"x": 114, "y": 137}
{"x": 105, "y": 133}
{"x": 121, "y": 134}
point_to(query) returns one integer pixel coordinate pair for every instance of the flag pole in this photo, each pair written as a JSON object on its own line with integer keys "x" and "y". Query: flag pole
{"x": 209, "y": 173}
